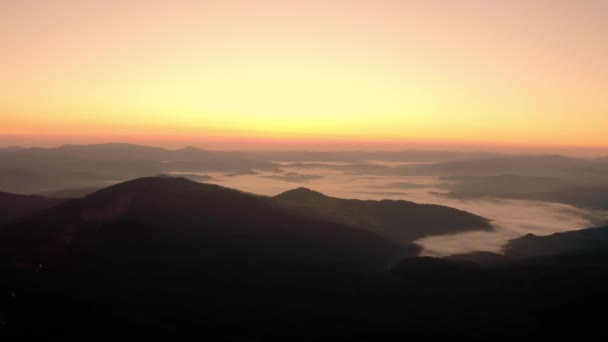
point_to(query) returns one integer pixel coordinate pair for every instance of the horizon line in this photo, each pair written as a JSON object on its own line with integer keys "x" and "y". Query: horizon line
{"x": 228, "y": 144}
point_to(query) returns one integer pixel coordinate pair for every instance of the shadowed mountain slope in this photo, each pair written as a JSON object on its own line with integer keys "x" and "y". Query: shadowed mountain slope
{"x": 177, "y": 216}
{"x": 584, "y": 241}
{"x": 166, "y": 252}
{"x": 399, "y": 221}
{"x": 14, "y": 206}
{"x": 168, "y": 257}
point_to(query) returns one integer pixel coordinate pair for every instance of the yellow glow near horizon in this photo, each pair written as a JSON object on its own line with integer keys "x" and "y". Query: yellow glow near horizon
{"x": 462, "y": 71}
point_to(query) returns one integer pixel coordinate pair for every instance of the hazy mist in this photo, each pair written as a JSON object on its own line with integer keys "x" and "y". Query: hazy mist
{"x": 511, "y": 218}
{"x": 521, "y": 194}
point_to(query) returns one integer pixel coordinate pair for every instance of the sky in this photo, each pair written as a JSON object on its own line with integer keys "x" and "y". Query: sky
{"x": 268, "y": 74}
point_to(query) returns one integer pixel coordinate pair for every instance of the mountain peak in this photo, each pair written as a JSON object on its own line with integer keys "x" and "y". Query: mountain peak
{"x": 301, "y": 193}
{"x": 157, "y": 183}
{"x": 147, "y": 188}
{"x": 191, "y": 148}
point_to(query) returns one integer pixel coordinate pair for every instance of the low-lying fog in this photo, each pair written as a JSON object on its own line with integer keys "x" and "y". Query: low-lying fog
{"x": 539, "y": 194}
{"x": 511, "y": 218}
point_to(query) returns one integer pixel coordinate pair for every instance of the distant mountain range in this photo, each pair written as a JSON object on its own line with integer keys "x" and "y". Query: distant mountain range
{"x": 10, "y": 149}
{"x": 524, "y": 165}
{"x": 122, "y": 150}
{"x": 580, "y": 192}
{"x": 41, "y": 170}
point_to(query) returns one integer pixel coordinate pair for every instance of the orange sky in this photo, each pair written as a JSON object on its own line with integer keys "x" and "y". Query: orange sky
{"x": 253, "y": 73}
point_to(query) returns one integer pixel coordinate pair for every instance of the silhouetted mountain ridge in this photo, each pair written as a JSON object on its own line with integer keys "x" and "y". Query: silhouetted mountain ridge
{"x": 186, "y": 212}
{"x": 300, "y": 193}
{"x": 395, "y": 220}
{"x": 589, "y": 240}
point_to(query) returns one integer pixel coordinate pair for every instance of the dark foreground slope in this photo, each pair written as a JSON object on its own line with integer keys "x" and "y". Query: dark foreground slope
{"x": 158, "y": 253}
{"x": 544, "y": 288}
{"x": 171, "y": 258}
{"x": 14, "y": 206}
